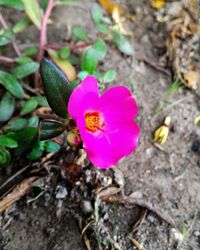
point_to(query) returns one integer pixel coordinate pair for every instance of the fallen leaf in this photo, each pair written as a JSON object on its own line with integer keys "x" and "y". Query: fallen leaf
{"x": 191, "y": 79}
{"x": 109, "y": 6}
{"x": 16, "y": 194}
{"x": 158, "y": 4}
{"x": 67, "y": 68}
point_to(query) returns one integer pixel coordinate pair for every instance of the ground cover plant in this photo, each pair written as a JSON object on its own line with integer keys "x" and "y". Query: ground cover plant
{"x": 99, "y": 124}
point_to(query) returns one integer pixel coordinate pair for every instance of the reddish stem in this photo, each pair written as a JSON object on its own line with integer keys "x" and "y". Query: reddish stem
{"x": 5, "y": 26}
{"x": 71, "y": 47}
{"x": 43, "y": 31}
{"x": 5, "y": 59}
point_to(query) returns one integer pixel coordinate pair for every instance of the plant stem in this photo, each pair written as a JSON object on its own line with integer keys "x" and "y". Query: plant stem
{"x": 71, "y": 47}
{"x": 5, "y": 26}
{"x": 43, "y": 31}
{"x": 5, "y": 59}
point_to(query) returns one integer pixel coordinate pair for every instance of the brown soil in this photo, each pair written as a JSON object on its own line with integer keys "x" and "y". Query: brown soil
{"x": 167, "y": 177}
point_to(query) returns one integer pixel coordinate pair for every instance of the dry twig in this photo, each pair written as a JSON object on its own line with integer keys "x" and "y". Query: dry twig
{"x": 140, "y": 203}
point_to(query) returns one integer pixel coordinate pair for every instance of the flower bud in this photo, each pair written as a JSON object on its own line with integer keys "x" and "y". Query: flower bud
{"x": 73, "y": 138}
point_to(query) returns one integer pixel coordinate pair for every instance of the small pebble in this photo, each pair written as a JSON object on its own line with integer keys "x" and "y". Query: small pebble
{"x": 196, "y": 146}
{"x": 86, "y": 207}
{"x": 61, "y": 192}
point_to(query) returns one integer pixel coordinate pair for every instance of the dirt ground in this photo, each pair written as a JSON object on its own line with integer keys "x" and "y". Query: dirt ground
{"x": 167, "y": 177}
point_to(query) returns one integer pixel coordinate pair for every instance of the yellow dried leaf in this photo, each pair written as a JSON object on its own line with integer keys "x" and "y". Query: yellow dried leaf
{"x": 162, "y": 132}
{"x": 109, "y": 6}
{"x": 192, "y": 78}
{"x": 197, "y": 120}
{"x": 158, "y": 4}
{"x": 67, "y": 68}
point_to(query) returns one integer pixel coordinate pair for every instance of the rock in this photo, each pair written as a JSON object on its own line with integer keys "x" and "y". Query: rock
{"x": 61, "y": 192}
{"x": 86, "y": 207}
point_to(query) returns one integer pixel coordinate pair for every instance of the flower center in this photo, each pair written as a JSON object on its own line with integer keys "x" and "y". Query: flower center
{"x": 94, "y": 121}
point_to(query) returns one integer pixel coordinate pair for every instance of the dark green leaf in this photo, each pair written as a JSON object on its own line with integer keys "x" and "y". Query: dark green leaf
{"x": 8, "y": 142}
{"x": 51, "y": 146}
{"x": 4, "y": 157}
{"x": 36, "y": 151}
{"x": 100, "y": 49}
{"x": 74, "y": 83}
{"x": 123, "y": 44}
{"x": 49, "y": 129}
{"x": 25, "y": 69}
{"x": 11, "y": 84}
{"x": 7, "y": 106}
{"x": 24, "y": 138}
{"x": 109, "y": 76}
{"x": 16, "y": 124}
{"x": 56, "y": 86}
{"x": 21, "y": 25}
{"x": 89, "y": 61}
{"x": 97, "y": 13}
{"x": 64, "y": 53}
{"x": 29, "y": 106}
{"x": 80, "y": 33}
{"x": 6, "y": 36}
{"x": 16, "y": 4}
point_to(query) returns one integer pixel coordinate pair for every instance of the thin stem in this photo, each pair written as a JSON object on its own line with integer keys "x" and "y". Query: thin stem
{"x": 71, "y": 47}
{"x": 5, "y": 26}
{"x": 43, "y": 31}
{"x": 5, "y": 59}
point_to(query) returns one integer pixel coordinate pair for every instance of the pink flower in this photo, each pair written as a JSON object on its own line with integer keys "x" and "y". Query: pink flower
{"x": 105, "y": 122}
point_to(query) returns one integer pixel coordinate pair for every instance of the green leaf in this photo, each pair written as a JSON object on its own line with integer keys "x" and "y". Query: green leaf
{"x": 102, "y": 28}
{"x": 89, "y": 61}
{"x": 97, "y": 13}
{"x": 36, "y": 152}
{"x": 49, "y": 129}
{"x": 51, "y": 146}
{"x": 33, "y": 11}
{"x": 21, "y": 25}
{"x": 30, "y": 51}
{"x": 23, "y": 60}
{"x": 16, "y": 124}
{"x": 11, "y": 84}
{"x": 6, "y": 36}
{"x": 29, "y": 106}
{"x": 8, "y": 142}
{"x": 100, "y": 49}
{"x": 56, "y": 87}
{"x": 64, "y": 53}
{"x": 109, "y": 76}
{"x": 7, "y": 106}
{"x": 16, "y": 4}
{"x": 24, "y": 138}
{"x": 33, "y": 122}
{"x": 82, "y": 75}
{"x": 74, "y": 83}
{"x": 122, "y": 43}
{"x": 41, "y": 100}
{"x": 25, "y": 69}
{"x": 80, "y": 33}
{"x": 4, "y": 157}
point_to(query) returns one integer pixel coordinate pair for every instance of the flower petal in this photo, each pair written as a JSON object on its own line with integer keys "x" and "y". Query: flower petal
{"x": 106, "y": 148}
{"x": 88, "y": 85}
{"x": 118, "y": 104}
